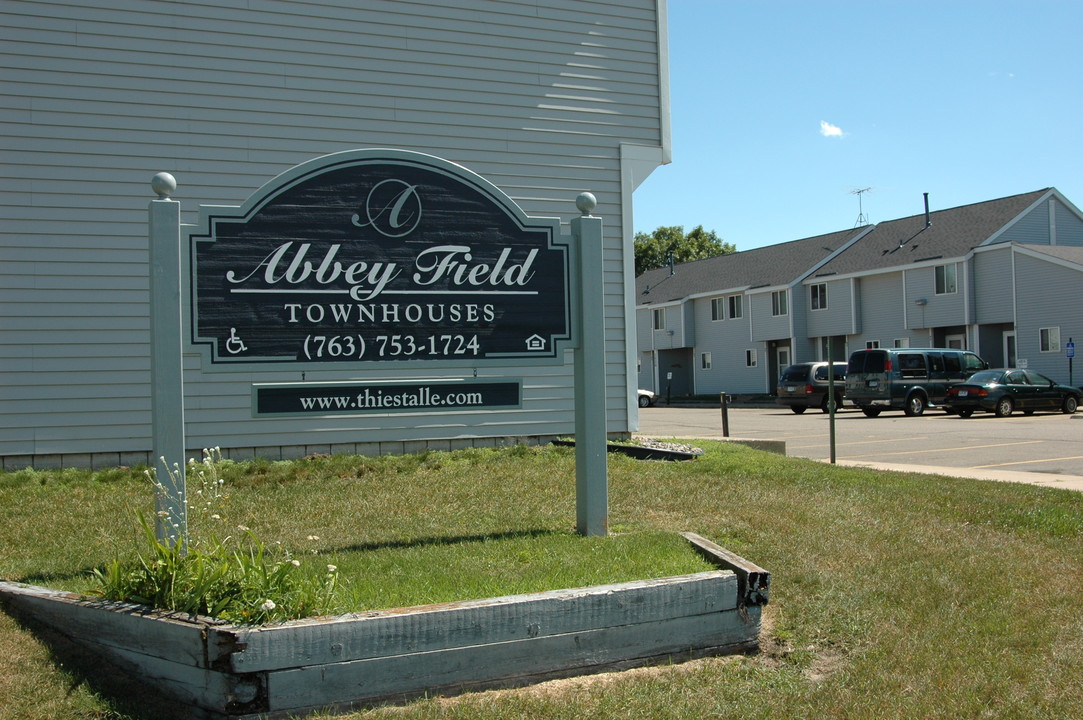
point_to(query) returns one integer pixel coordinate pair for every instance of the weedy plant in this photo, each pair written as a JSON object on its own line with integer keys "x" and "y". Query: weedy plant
{"x": 237, "y": 577}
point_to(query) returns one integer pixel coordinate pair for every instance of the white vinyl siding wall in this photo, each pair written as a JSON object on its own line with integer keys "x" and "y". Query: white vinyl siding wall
{"x": 838, "y": 318}
{"x": 1048, "y": 298}
{"x": 97, "y": 97}
{"x": 1069, "y": 228}
{"x": 1032, "y": 228}
{"x": 993, "y": 286}
{"x": 938, "y": 310}
{"x": 726, "y": 342}
{"x": 880, "y": 300}
{"x": 765, "y": 325}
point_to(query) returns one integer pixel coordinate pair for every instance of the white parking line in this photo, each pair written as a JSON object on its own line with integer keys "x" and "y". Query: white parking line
{"x": 1028, "y": 462}
{"x": 856, "y": 442}
{"x": 938, "y": 450}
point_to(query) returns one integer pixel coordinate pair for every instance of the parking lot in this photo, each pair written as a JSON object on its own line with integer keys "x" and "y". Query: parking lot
{"x": 1050, "y": 443}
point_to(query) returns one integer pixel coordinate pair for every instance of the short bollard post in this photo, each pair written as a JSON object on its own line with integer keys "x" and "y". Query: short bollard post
{"x": 724, "y": 400}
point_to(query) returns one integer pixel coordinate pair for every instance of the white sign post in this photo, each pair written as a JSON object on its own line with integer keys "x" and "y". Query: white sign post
{"x": 591, "y": 469}
{"x": 166, "y": 378}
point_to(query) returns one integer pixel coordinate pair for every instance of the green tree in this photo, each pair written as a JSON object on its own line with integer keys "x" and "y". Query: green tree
{"x": 654, "y": 250}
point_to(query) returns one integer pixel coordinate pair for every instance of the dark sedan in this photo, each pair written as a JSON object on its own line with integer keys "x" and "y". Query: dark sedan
{"x": 1004, "y": 391}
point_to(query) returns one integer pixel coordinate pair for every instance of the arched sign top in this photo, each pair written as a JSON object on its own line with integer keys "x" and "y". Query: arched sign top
{"x": 376, "y": 256}
{"x": 384, "y": 156}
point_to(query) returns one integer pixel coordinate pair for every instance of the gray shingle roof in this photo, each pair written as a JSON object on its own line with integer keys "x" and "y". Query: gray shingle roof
{"x": 951, "y": 234}
{"x": 773, "y": 265}
{"x": 1069, "y": 253}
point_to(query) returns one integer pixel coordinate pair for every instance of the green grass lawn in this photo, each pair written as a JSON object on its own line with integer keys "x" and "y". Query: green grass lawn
{"x": 893, "y": 595}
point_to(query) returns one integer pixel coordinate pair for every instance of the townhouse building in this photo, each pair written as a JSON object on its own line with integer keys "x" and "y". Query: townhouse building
{"x": 1002, "y": 278}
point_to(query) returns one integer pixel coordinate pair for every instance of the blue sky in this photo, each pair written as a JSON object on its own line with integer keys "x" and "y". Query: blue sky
{"x": 781, "y": 110}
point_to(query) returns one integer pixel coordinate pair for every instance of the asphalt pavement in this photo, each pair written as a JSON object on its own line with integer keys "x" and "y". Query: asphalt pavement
{"x": 1049, "y": 446}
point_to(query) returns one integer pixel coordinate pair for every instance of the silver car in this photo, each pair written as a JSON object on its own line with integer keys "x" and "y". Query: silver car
{"x": 805, "y": 385}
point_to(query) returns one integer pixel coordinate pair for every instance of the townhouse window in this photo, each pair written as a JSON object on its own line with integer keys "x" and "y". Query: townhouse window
{"x": 902, "y": 342}
{"x": 819, "y": 296}
{"x": 750, "y": 357}
{"x": 735, "y": 306}
{"x": 660, "y": 319}
{"x": 945, "y": 279}
{"x": 1049, "y": 339}
{"x": 780, "y": 303}
{"x": 705, "y": 361}
{"x": 872, "y": 344}
{"x": 718, "y": 309}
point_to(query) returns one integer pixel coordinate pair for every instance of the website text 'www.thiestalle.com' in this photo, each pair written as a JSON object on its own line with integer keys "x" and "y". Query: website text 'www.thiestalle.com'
{"x": 350, "y": 398}
{"x": 380, "y": 399}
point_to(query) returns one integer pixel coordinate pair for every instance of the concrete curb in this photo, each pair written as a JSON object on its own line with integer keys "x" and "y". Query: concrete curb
{"x": 1065, "y": 482}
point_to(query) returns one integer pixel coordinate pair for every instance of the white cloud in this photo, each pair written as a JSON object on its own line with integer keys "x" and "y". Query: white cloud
{"x": 829, "y": 130}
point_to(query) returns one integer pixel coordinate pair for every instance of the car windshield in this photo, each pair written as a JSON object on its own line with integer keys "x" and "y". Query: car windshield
{"x": 985, "y": 377}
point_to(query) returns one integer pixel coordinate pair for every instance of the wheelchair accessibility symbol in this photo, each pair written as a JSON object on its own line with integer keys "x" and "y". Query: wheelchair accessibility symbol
{"x": 234, "y": 344}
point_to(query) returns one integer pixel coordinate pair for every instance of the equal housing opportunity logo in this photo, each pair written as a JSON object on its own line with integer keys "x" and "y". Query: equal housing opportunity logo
{"x": 378, "y": 256}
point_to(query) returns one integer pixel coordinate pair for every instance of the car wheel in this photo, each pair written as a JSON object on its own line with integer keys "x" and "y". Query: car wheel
{"x": 915, "y": 405}
{"x": 825, "y": 406}
{"x": 870, "y": 411}
{"x": 797, "y": 409}
{"x": 1005, "y": 407}
{"x": 965, "y": 413}
{"x": 1071, "y": 403}
{"x": 644, "y": 401}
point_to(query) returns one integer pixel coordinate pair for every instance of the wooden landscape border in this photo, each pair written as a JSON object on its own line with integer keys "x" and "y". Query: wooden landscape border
{"x": 204, "y": 668}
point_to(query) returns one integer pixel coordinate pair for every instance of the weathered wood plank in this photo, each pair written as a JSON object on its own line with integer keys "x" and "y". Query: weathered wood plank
{"x": 195, "y": 692}
{"x": 754, "y": 583}
{"x": 117, "y": 625}
{"x": 494, "y": 620}
{"x": 506, "y": 664}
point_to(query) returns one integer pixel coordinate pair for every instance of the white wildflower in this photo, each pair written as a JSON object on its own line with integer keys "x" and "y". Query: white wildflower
{"x": 268, "y": 605}
{"x": 332, "y": 568}
{"x": 295, "y": 563}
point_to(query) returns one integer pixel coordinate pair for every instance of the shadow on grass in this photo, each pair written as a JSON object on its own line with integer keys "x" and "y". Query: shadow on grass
{"x": 52, "y": 579}
{"x": 435, "y": 541}
{"x": 126, "y": 696}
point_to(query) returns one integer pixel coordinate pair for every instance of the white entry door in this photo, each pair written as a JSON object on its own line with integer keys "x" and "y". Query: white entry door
{"x": 1009, "y": 348}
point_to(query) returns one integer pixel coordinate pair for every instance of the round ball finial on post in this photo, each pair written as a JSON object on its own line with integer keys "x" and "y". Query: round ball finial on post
{"x": 164, "y": 185}
{"x": 586, "y": 202}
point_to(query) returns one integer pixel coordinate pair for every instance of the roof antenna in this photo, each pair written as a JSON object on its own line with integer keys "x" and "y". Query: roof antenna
{"x": 928, "y": 220}
{"x": 671, "y": 264}
{"x": 861, "y": 219}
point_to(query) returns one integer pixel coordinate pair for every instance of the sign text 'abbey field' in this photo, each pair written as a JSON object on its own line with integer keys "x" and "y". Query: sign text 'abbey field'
{"x": 380, "y": 259}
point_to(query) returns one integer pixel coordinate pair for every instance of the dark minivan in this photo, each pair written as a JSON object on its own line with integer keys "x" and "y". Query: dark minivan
{"x": 804, "y": 385}
{"x": 907, "y": 379}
